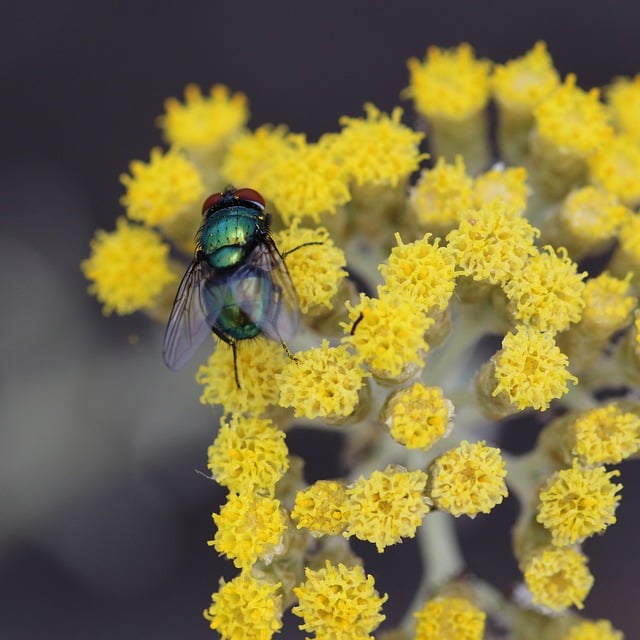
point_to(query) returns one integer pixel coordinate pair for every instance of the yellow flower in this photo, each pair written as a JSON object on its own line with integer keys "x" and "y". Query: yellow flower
{"x": 468, "y": 480}
{"x": 492, "y": 243}
{"x": 377, "y": 150}
{"x": 441, "y": 194}
{"x": 588, "y": 630}
{"x": 502, "y": 183}
{"x": 250, "y": 154}
{"x": 573, "y": 120}
{"x": 204, "y": 122}
{"x": 558, "y": 577}
{"x": 387, "y": 506}
{"x": 605, "y": 435}
{"x": 616, "y": 168}
{"x": 575, "y": 503}
{"x": 546, "y": 293}
{"x": 388, "y": 335}
{"x": 449, "y": 617}
{"x": 321, "y": 508}
{"x": 420, "y": 271}
{"x": 529, "y": 370}
{"x": 324, "y": 382}
{"x": 128, "y": 268}
{"x": 259, "y": 361}
{"x": 248, "y": 455}
{"x": 316, "y": 270}
{"x": 246, "y": 607}
{"x": 305, "y": 181}
{"x": 588, "y": 221}
{"x": 521, "y": 84}
{"x": 450, "y": 84}
{"x": 623, "y": 96}
{"x": 250, "y": 528}
{"x": 162, "y": 189}
{"x": 418, "y": 416}
{"x": 339, "y": 603}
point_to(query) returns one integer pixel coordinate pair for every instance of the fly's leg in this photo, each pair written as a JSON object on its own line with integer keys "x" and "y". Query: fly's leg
{"x": 304, "y": 244}
{"x": 233, "y": 344}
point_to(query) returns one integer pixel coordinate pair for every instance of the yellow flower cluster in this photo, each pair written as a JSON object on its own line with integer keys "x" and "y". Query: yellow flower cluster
{"x": 401, "y": 263}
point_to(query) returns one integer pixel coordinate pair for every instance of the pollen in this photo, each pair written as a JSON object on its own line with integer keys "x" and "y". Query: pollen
{"x": 573, "y": 120}
{"x": 492, "y": 243}
{"x": 558, "y": 577}
{"x": 321, "y": 508}
{"x": 578, "y": 502}
{"x": 386, "y": 507}
{"x": 204, "y": 122}
{"x": 522, "y": 84}
{"x": 547, "y": 293}
{"x": 441, "y": 194}
{"x": 605, "y": 435}
{"x": 418, "y": 416}
{"x": 421, "y": 271}
{"x": 623, "y": 97}
{"x": 616, "y": 168}
{"x": 508, "y": 185}
{"x": 250, "y": 528}
{"x": 325, "y": 382}
{"x": 159, "y": 191}
{"x": 258, "y": 362}
{"x": 246, "y": 607}
{"x": 448, "y": 617}
{"x": 388, "y": 334}
{"x": 378, "y": 149}
{"x": 248, "y": 455}
{"x": 451, "y": 84}
{"x": 593, "y": 630}
{"x": 128, "y": 268}
{"x": 530, "y": 369}
{"x": 468, "y": 480}
{"x": 339, "y": 603}
{"x": 316, "y": 266}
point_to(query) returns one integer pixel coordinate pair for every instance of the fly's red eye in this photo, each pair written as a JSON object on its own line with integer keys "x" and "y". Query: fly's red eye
{"x": 211, "y": 201}
{"x": 250, "y": 195}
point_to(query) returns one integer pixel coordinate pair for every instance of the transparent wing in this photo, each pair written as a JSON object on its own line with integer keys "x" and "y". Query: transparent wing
{"x": 270, "y": 300}
{"x": 194, "y": 312}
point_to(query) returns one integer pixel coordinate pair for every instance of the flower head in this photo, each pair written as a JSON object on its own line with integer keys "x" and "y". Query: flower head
{"x": 378, "y": 149}
{"x": 421, "y": 271}
{"x": 521, "y": 84}
{"x": 204, "y": 122}
{"x": 450, "y": 84}
{"x": 322, "y": 382}
{"x": 588, "y": 630}
{"x": 258, "y": 361}
{"x": 317, "y": 269}
{"x": 388, "y": 334}
{"x": 250, "y": 528}
{"x": 448, "y": 617}
{"x": 246, "y": 607}
{"x": 575, "y": 503}
{"x": 558, "y": 577}
{"x": 321, "y": 508}
{"x": 128, "y": 268}
{"x": 248, "y": 455}
{"x": 468, "y": 480}
{"x": 162, "y": 189}
{"x": 418, "y": 416}
{"x": 508, "y": 184}
{"x": 339, "y": 603}
{"x": 623, "y": 96}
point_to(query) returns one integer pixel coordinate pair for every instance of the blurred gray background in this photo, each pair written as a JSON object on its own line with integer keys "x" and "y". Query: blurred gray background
{"x": 103, "y": 520}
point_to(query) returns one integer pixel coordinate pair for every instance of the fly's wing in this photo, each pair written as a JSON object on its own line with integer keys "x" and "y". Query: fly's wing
{"x": 191, "y": 316}
{"x": 270, "y": 301}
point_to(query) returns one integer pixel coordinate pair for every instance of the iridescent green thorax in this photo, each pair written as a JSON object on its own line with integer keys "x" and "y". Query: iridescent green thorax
{"x": 228, "y": 235}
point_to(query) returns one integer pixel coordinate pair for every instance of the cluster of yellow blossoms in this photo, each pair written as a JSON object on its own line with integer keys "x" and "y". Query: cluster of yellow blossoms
{"x": 442, "y": 250}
